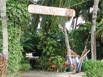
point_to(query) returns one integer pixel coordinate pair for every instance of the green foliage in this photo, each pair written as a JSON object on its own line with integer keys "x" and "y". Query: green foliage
{"x": 78, "y": 37}
{"x": 99, "y": 38}
{"x": 17, "y": 13}
{"x": 44, "y": 62}
{"x": 17, "y": 20}
{"x": 59, "y": 61}
{"x": 53, "y": 47}
{"x": 15, "y": 48}
{"x": 100, "y": 29}
{"x": 25, "y": 66}
{"x": 49, "y": 40}
{"x": 93, "y": 68}
{"x": 30, "y": 42}
{"x": 100, "y": 12}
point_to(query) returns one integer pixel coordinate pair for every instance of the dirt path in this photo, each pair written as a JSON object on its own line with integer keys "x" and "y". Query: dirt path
{"x": 50, "y": 74}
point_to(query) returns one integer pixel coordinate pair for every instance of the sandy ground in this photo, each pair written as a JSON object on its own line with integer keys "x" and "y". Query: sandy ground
{"x": 51, "y": 74}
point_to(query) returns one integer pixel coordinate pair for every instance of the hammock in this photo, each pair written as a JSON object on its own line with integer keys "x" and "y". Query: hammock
{"x": 75, "y": 61}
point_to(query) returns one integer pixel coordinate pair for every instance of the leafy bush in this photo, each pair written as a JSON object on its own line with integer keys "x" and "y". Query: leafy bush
{"x": 25, "y": 66}
{"x": 82, "y": 34}
{"x": 93, "y": 68}
{"x": 17, "y": 21}
{"x": 16, "y": 61}
{"x": 59, "y": 61}
{"x": 15, "y": 48}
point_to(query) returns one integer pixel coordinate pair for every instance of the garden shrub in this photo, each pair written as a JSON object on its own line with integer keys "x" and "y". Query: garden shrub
{"x": 25, "y": 66}
{"x": 59, "y": 62}
{"x": 17, "y": 22}
{"x": 15, "y": 48}
{"x": 16, "y": 60}
{"x": 93, "y": 68}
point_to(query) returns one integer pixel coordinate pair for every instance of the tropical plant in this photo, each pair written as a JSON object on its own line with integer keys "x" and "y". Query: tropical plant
{"x": 93, "y": 68}
{"x": 17, "y": 23}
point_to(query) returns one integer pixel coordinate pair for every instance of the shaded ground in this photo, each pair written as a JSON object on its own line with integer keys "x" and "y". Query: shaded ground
{"x": 50, "y": 74}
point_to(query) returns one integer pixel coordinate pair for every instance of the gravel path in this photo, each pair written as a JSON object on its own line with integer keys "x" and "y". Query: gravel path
{"x": 51, "y": 74}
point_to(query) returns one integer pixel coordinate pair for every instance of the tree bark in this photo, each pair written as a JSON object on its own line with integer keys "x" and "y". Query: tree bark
{"x": 4, "y": 28}
{"x": 4, "y": 32}
{"x": 93, "y": 30}
{"x": 67, "y": 42}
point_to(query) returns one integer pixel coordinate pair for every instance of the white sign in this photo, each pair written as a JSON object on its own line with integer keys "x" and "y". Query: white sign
{"x": 46, "y": 10}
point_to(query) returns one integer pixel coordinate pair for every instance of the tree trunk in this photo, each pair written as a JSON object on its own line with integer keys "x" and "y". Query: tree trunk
{"x": 4, "y": 32}
{"x": 93, "y": 29}
{"x": 67, "y": 42}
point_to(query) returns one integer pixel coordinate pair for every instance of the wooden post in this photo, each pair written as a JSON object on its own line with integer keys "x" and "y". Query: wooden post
{"x": 47, "y": 10}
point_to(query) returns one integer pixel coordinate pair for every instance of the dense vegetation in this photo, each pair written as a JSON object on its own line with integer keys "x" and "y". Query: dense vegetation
{"x": 49, "y": 40}
{"x": 17, "y": 19}
{"x": 93, "y": 68}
